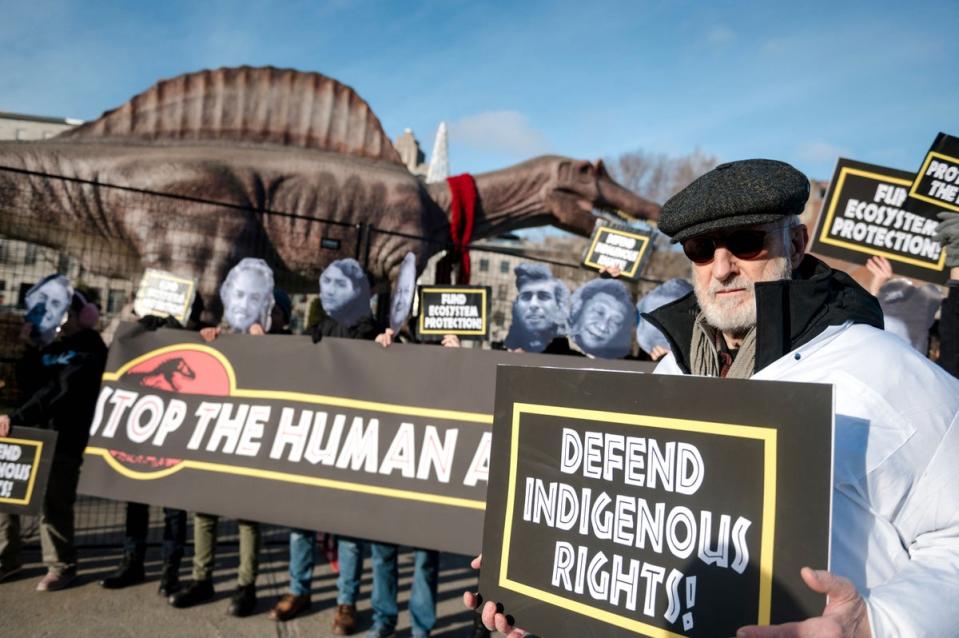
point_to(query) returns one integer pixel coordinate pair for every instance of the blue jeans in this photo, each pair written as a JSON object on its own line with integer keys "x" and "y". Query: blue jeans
{"x": 385, "y": 577}
{"x": 302, "y": 559}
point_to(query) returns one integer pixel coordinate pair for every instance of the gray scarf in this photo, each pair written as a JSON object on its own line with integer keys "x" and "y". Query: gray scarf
{"x": 705, "y": 352}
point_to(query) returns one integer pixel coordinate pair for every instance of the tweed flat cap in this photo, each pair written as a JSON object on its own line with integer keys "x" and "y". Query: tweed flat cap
{"x": 743, "y": 193}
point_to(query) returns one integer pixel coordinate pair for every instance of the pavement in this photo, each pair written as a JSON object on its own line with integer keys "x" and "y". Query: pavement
{"x": 86, "y": 609}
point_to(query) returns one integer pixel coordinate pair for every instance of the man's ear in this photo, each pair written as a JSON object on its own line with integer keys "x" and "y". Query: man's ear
{"x": 798, "y": 240}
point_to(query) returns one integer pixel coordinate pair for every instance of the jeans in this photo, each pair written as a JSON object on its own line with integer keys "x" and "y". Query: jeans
{"x": 302, "y": 559}
{"x": 385, "y": 612}
{"x": 138, "y": 524}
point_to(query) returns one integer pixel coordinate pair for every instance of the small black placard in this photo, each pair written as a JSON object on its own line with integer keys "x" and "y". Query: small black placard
{"x": 453, "y": 310}
{"x": 616, "y": 506}
{"x": 936, "y": 186}
{"x": 867, "y": 212}
{"x": 25, "y": 458}
{"x": 165, "y": 295}
{"x": 626, "y": 248}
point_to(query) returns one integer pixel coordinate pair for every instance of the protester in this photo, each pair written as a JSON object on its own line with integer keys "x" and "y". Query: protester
{"x": 908, "y": 309}
{"x": 248, "y": 299}
{"x": 60, "y": 377}
{"x": 539, "y": 310}
{"x": 762, "y": 309}
{"x": 650, "y": 339}
{"x": 130, "y": 571}
{"x": 947, "y": 234}
{"x": 601, "y": 319}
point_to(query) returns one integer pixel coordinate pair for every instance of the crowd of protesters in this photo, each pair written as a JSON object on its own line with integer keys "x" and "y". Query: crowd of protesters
{"x": 65, "y": 357}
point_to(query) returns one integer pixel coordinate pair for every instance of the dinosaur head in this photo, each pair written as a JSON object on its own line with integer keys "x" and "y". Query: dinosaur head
{"x": 577, "y": 187}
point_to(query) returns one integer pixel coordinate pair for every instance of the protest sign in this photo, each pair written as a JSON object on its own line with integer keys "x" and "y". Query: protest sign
{"x": 341, "y": 435}
{"x": 164, "y": 295}
{"x": 936, "y": 185}
{"x": 866, "y": 212}
{"x": 617, "y": 506}
{"x": 25, "y": 457}
{"x": 455, "y": 310}
{"x": 625, "y": 248}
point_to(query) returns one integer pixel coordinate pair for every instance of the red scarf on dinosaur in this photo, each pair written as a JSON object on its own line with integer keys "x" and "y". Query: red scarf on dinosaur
{"x": 462, "y": 214}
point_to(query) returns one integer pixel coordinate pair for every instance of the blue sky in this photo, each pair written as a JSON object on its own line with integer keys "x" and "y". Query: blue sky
{"x": 873, "y": 81}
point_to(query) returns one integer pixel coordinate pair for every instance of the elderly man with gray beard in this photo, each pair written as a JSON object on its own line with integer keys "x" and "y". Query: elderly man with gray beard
{"x": 763, "y": 309}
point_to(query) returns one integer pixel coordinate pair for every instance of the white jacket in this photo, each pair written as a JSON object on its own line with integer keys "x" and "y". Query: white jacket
{"x": 895, "y": 518}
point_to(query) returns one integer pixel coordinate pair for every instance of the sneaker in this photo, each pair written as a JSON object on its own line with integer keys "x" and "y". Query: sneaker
{"x": 381, "y": 631}
{"x": 345, "y": 621}
{"x": 56, "y": 580}
{"x": 169, "y": 579}
{"x": 243, "y": 601}
{"x": 129, "y": 572}
{"x": 195, "y": 592}
{"x": 7, "y": 572}
{"x": 289, "y": 606}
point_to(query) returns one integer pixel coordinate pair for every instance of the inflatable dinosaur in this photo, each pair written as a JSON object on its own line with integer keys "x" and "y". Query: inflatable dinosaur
{"x": 255, "y": 140}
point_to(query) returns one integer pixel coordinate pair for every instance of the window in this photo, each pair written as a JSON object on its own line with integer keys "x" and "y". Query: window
{"x": 499, "y": 318}
{"x": 504, "y": 267}
{"x": 21, "y": 134}
{"x": 484, "y": 265}
{"x": 502, "y": 291}
{"x": 115, "y": 301}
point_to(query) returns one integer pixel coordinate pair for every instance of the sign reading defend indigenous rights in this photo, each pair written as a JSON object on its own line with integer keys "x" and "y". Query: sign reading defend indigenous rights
{"x": 867, "y": 212}
{"x": 455, "y": 310}
{"x": 164, "y": 294}
{"x": 341, "y": 435}
{"x": 936, "y": 186}
{"x": 624, "y": 248}
{"x": 25, "y": 458}
{"x": 617, "y": 506}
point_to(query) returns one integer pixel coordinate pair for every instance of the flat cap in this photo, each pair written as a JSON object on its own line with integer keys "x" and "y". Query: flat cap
{"x": 743, "y": 193}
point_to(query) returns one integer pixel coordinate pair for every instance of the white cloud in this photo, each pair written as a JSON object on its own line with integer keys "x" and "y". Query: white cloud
{"x": 819, "y": 151}
{"x": 720, "y": 35}
{"x": 500, "y": 132}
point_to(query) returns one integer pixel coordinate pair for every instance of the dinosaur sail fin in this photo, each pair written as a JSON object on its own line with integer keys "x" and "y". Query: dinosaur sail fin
{"x": 262, "y": 105}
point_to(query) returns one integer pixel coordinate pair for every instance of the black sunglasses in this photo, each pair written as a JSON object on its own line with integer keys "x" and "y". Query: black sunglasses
{"x": 744, "y": 244}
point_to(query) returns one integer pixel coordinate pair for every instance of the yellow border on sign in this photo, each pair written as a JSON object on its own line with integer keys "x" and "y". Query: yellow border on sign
{"x": 183, "y": 316}
{"x": 616, "y": 231}
{"x": 301, "y": 397}
{"x": 471, "y": 291}
{"x": 922, "y": 173}
{"x": 33, "y": 471}
{"x": 767, "y": 435}
{"x": 827, "y": 224}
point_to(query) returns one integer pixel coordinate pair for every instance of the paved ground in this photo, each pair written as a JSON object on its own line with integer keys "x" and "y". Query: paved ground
{"x": 88, "y": 610}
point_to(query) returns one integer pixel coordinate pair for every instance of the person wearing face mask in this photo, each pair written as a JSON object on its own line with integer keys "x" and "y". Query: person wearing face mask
{"x": 248, "y": 298}
{"x": 47, "y": 303}
{"x": 539, "y": 310}
{"x": 60, "y": 377}
{"x": 602, "y": 319}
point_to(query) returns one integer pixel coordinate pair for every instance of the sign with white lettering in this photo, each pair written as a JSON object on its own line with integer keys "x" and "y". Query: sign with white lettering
{"x": 618, "y": 507}
{"x": 25, "y": 457}
{"x": 164, "y": 295}
{"x": 867, "y": 212}
{"x": 936, "y": 185}
{"x": 340, "y": 435}
{"x": 625, "y": 248}
{"x": 453, "y": 310}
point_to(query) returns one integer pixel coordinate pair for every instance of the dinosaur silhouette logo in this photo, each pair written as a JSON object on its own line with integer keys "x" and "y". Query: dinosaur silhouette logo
{"x": 165, "y": 375}
{"x": 183, "y": 369}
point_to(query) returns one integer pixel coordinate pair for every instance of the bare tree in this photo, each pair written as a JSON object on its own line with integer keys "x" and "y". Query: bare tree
{"x": 658, "y": 176}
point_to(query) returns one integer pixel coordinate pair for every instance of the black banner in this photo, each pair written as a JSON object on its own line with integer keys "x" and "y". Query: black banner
{"x": 457, "y": 310}
{"x": 618, "y": 506}
{"x": 164, "y": 294}
{"x": 626, "y": 248}
{"x": 25, "y": 458}
{"x": 867, "y": 212}
{"x": 340, "y": 436}
{"x": 936, "y": 185}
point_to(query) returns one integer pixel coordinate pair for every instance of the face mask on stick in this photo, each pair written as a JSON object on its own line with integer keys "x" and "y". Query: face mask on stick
{"x": 247, "y": 295}
{"x": 539, "y": 309}
{"x": 47, "y": 304}
{"x": 401, "y": 301}
{"x": 345, "y": 292}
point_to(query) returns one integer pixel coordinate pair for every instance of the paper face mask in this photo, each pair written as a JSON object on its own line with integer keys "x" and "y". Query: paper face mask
{"x": 345, "y": 292}
{"x": 247, "y": 295}
{"x": 47, "y": 304}
{"x": 602, "y": 319}
{"x": 539, "y": 309}
{"x": 401, "y": 301}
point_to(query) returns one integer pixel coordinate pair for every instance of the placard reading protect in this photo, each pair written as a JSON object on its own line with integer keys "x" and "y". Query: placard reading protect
{"x": 164, "y": 295}
{"x": 453, "y": 310}
{"x": 624, "y": 248}
{"x": 867, "y": 212}
{"x": 25, "y": 458}
{"x": 936, "y": 186}
{"x": 618, "y": 507}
